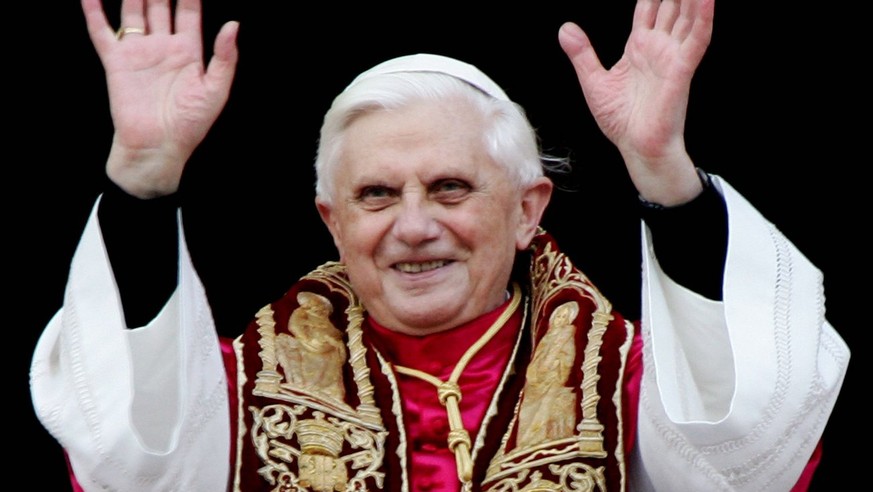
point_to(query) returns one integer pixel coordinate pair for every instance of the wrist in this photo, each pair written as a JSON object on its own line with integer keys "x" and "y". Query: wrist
{"x": 705, "y": 183}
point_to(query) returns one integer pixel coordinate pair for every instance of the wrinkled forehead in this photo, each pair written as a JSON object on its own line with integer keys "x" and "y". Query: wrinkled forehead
{"x": 426, "y": 62}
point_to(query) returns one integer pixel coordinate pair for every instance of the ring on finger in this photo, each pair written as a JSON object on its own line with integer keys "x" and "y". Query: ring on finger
{"x": 124, "y": 31}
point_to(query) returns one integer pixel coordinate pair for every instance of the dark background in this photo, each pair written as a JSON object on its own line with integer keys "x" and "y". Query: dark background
{"x": 776, "y": 108}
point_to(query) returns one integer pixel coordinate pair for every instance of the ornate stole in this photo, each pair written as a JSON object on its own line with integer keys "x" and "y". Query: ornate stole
{"x": 319, "y": 409}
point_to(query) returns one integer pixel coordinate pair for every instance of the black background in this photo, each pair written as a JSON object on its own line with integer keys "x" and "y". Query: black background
{"x": 776, "y": 108}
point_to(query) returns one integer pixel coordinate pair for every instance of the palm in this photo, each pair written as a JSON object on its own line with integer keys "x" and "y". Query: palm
{"x": 640, "y": 102}
{"x": 162, "y": 96}
{"x": 157, "y": 93}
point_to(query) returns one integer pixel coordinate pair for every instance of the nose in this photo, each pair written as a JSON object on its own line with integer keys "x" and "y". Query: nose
{"x": 415, "y": 222}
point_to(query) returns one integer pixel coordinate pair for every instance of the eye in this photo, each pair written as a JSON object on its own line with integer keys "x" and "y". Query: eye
{"x": 376, "y": 197}
{"x": 450, "y": 190}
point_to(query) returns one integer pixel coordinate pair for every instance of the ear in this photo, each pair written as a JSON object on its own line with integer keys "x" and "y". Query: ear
{"x": 328, "y": 216}
{"x": 534, "y": 200}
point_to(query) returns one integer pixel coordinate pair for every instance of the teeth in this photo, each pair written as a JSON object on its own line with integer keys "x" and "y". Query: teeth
{"x": 420, "y": 267}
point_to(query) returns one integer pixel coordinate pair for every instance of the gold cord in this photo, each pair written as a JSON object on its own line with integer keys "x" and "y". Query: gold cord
{"x": 449, "y": 392}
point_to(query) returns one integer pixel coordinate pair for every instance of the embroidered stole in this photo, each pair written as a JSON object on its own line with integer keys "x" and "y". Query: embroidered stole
{"x": 318, "y": 406}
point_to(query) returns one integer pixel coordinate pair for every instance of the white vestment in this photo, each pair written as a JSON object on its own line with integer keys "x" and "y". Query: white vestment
{"x": 735, "y": 394}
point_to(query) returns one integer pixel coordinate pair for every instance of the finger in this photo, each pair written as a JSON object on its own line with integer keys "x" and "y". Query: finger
{"x": 221, "y": 68}
{"x": 577, "y": 46}
{"x": 159, "y": 17}
{"x": 685, "y": 21}
{"x": 133, "y": 14}
{"x": 668, "y": 12}
{"x": 700, "y": 32}
{"x": 189, "y": 19}
{"x": 645, "y": 13}
{"x": 101, "y": 33}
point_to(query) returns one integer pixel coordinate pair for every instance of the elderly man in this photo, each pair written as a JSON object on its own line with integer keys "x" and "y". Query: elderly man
{"x": 452, "y": 346}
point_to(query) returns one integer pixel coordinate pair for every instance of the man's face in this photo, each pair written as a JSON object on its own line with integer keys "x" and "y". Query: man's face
{"x": 425, "y": 221}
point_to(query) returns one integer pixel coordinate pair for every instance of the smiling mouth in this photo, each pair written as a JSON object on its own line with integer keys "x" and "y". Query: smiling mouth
{"x": 418, "y": 267}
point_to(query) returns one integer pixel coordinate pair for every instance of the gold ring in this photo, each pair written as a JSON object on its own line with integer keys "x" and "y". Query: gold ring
{"x": 123, "y": 31}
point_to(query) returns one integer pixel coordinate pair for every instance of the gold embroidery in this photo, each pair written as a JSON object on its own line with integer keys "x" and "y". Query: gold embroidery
{"x": 617, "y": 401}
{"x": 318, "y": 385}
{"x": 590, "y": 429}
{"x": 321, "y": 439}
{"x": 340, "y": 447}
{"x": 547, "y": 410}
{"x": 333, "y": 275}
{"x": 582, "y": 477}
{"x": 541, "y": 418}
{"x": 320, "y": 445}
{"x": 241, "y": 426}
{"x": 268, "y": 377}
{"x": 313, "y": 354}
{"x": 551, "y": 272}
{"x": 512, "y": 484}
{"x": 574, "y": 476}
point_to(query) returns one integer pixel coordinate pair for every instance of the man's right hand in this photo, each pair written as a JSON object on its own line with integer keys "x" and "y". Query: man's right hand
{"x": 163, "y": 100}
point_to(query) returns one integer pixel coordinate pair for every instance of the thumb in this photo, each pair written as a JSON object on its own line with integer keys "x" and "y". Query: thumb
{"x": 578, "y": 49}
{"x": 222, "y": 66}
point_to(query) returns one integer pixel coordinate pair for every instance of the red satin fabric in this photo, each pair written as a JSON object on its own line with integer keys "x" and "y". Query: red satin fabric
{"x": 425, "y": 419}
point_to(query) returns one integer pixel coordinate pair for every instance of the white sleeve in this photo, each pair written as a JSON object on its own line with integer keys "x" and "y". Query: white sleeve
{"x": 142, "y": 409}
{"x": 735, "y": 395}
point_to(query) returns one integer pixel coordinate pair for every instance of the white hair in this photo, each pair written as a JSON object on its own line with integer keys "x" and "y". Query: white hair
{"x": 508, "y": 135}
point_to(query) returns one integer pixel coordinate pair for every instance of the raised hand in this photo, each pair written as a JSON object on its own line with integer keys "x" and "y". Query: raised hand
{"x": 163, "y": 99}
{"x": 640, "y": 102}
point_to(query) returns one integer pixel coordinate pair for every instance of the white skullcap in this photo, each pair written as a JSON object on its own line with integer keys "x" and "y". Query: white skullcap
{"x": 424, "y": 62}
